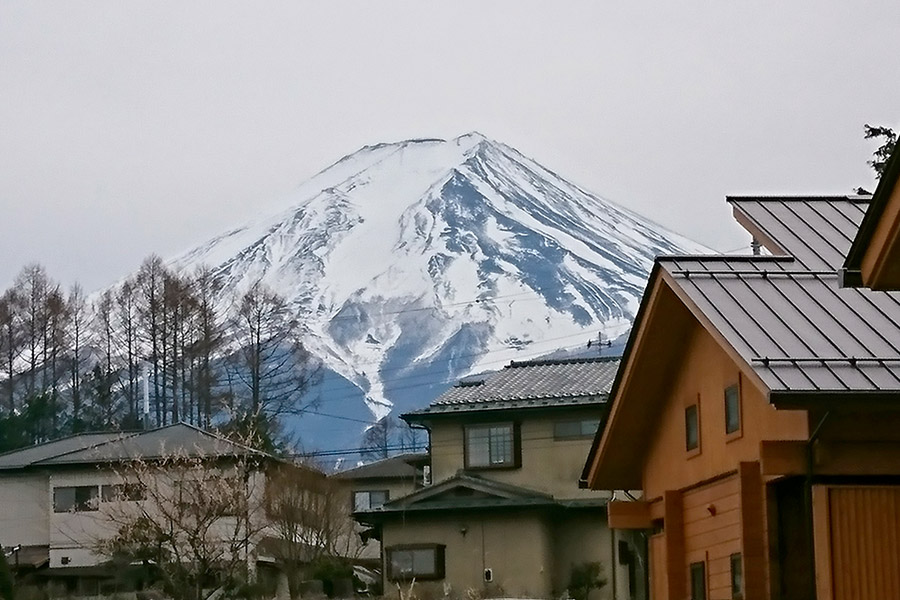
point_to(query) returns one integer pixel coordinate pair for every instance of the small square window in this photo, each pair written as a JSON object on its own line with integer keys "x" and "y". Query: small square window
{"x": 698, "y": 581}
{"x": 737, "y": 577}
{"x": 732, "y": 409}
{"x": 691, "y": 427}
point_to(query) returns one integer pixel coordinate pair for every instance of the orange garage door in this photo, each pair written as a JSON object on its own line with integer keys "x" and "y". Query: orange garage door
{"x": 865, "y": 542}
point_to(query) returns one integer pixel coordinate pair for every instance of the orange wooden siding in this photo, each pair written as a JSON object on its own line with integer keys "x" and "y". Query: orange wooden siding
{"x": 658, "y": 579}
{"x": 865, "y": 542}
{"x": 713, "y": 538}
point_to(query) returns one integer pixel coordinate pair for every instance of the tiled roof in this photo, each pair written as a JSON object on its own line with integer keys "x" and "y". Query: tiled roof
{"x": 787, "y": 317}
{"x": 181, "y": 439}
{"x": 395, "y": 467}
{"x": 530, "y": 384}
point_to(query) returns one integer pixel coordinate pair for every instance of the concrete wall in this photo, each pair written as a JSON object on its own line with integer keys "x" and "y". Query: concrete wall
{"x": 548, "y": 465}
{"x": 24, "y": 509}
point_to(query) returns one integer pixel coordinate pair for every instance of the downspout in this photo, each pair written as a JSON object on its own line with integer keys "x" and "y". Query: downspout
{"x": 810, "y": 528}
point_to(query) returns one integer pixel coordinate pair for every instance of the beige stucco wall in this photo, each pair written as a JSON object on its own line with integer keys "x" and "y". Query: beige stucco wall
{"x": 531, "y": 555}
{"x": 548, "y": 465}
{"x": 518, "y": 547}
{"x": 24, "y": 509}
{"x": 584, "y": 537}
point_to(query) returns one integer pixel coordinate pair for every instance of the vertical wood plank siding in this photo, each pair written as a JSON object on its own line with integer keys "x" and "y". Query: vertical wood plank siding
{"x": 753, "y": 531}
{"x": 658, "y": 581}
{"x": 676, "y": 566}
{"x": 713, "y": 538}
{"x": 865, "y": 542}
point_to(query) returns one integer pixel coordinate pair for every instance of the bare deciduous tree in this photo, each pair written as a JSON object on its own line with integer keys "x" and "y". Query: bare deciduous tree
{"x": 309, "y": 518}
{"x": 198, "y": 519}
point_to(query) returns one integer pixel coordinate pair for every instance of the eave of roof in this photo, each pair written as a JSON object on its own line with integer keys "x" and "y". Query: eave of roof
{"x": 850, "y": 270}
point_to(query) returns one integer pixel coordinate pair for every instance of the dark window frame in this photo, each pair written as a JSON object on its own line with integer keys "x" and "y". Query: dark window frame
{"x": 88, "y": 503}
{"x": 587, "y": 429}
{"x": 387, "y": 498}
{"x": 692, "y": 410}
{"x": 695, "y": 569}
{"x": 123, "y": 492}
{"x": 737, "y": 583}
{"x": 737, "y": 430}
{"x": 515, "y": 461}
{"x": 438, "y": 570}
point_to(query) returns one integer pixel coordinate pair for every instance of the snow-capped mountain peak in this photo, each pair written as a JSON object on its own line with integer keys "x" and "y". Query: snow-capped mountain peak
{"x": 460, "y": 254}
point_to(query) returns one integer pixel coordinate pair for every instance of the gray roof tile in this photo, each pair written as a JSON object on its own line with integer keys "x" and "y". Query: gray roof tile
{"x": 530, "y": 384}
{"x": 395, "y": 467}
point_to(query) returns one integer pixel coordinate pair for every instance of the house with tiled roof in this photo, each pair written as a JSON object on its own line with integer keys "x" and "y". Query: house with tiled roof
{"x": 766, "y": 398}
{"x": 504, "y": 512}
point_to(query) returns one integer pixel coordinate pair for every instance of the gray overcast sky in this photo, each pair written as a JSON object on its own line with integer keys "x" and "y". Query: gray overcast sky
{"x": 135, "y": 127}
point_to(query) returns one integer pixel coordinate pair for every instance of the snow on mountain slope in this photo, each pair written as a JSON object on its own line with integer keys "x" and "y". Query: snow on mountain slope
{"x": 458, "y": 255}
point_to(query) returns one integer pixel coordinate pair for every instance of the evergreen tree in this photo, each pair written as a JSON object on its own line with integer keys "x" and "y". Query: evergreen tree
{"x": 883, "y": 153}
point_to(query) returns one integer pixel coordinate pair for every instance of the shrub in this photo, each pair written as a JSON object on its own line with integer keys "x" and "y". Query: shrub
{"x": 6, "y": 581}
{"x": 584, "y": 578}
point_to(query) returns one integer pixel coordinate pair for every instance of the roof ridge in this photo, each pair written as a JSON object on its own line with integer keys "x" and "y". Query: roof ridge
{"x": 543, "y": 362}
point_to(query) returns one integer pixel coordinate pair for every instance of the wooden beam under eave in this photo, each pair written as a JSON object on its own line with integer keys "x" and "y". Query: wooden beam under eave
{"x": 629, "y": 515}
{"x": 782, "y": 457}
{"x": 857, "y": 458}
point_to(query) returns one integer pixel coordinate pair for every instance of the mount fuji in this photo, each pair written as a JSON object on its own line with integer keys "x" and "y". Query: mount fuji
{"x": 414, "y": 263}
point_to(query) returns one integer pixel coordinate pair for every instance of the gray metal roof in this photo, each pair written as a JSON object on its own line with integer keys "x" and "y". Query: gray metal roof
{"x": 530, "y": 384}
{"x": 17, "y": 459}
{"x": 396, "y": 467}
{"x": 180, "y": 439}
{"x": 788, "y": 318}
{"x": 815, "y": 231}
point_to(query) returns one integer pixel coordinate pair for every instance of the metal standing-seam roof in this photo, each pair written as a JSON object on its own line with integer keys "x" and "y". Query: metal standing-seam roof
{"x": 178, "y": 439}
{"x": 787, "y": 316}
{"x": 530, "y": 384}
{"x": 815, "y": 231}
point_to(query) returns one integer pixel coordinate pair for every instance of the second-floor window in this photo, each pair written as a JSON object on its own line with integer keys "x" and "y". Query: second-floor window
{"x": 369, "y": 499}
{"x": 691, "y": 428}
{"x": 570, "y": 430}
{"x": 732, "y": 409}
{"x": 491, "y": 446}
{"x": 78, "y": 498}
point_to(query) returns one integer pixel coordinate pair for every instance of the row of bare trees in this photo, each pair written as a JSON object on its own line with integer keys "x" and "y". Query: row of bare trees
{"x": 72, "y": 363}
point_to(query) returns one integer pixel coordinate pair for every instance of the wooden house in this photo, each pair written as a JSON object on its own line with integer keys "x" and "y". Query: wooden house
{"x": 758, "y": 410}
